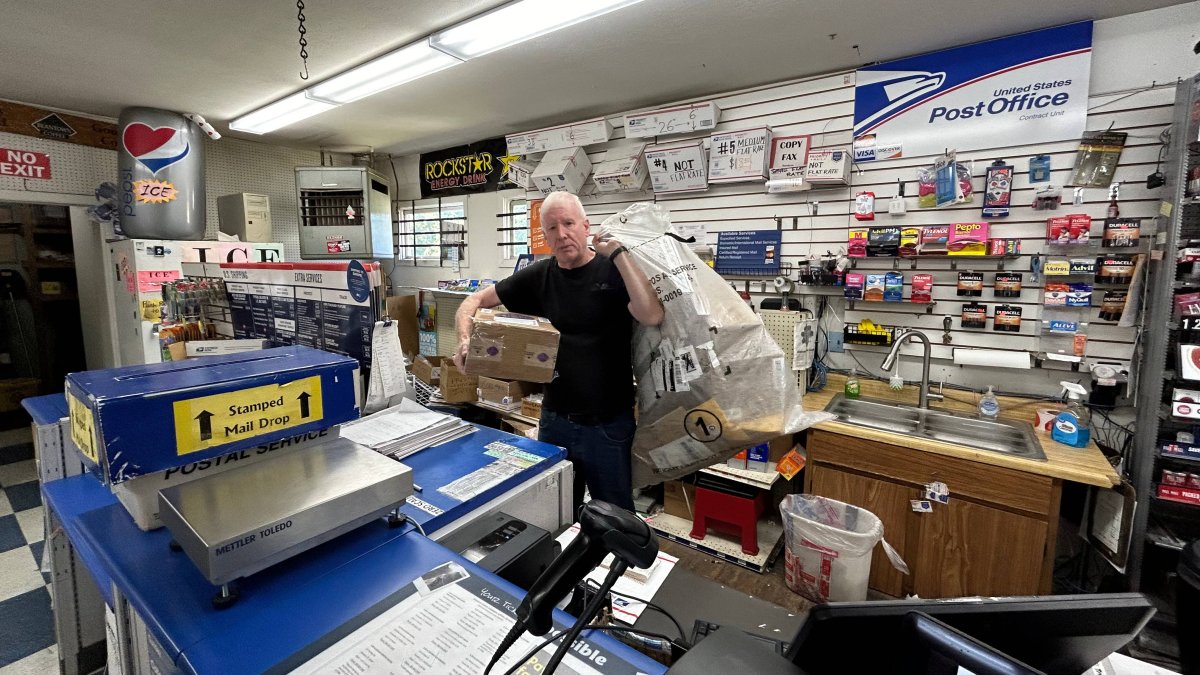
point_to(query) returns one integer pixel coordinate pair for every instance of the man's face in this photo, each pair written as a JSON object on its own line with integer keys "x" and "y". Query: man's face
{"x": 566, "y": 230}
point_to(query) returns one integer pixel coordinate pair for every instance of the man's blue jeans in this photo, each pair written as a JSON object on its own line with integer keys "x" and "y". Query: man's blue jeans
{"x": 600, "y": 454}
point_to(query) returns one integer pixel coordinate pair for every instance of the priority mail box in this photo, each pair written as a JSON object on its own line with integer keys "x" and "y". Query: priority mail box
{"x": 510, "y": 346}
{"x": 828, "y": 167}
{"x": 139, "y": 495}
{"x": 623, "y": 170}
{"x": 561, "y": 170}
{"x": 143, "y": 419}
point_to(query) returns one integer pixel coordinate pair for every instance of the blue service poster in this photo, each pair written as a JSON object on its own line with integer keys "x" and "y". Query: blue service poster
{"x": 748, "y": 252}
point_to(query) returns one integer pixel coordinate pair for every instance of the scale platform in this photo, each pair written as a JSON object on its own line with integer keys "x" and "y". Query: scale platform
{"x": 241, "y": 521}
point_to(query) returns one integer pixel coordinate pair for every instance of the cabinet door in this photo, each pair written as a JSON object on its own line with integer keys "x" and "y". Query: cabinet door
{"x": 889, "y": 501}
{"x": 969, "y": 549}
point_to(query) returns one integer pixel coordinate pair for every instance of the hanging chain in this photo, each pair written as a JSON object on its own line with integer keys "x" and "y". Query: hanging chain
{"x": 303, "y": 42}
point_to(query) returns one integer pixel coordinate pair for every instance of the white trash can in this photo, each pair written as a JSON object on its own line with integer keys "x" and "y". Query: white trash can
{"x": 827, "y": 548}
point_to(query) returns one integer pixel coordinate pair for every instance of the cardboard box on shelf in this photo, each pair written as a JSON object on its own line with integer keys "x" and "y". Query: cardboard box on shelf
{"x": 678, "y": 497}
{"x": 564, "y": 169}
{"x": 531, "y": 407}
{"x": 140, "y": 420}
{"x": 456, "y": 387}
{"x": 510, "y": 346}
{"x": 504, "y": 392}
{"x": 403, "y": 310}
{"x": 12, "y": 390}
{"x": 623, "y": 170}
{"x": 428, "y": 369}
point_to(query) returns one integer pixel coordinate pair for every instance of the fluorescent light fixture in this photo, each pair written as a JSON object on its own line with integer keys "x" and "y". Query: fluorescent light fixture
{"x": 394, "y": 68}
{"x": 279, "y": 114}
{"x": 517, "y": 22}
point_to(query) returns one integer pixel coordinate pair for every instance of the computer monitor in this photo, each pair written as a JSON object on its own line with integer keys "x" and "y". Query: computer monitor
{"x": 1054, "y": 634}
{"x": 938, "y": 649}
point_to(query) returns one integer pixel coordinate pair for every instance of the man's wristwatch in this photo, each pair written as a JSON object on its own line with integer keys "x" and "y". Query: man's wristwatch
{"x": 619, "y": 251}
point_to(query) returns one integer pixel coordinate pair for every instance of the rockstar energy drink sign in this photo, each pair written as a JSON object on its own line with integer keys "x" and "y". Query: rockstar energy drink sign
{"x": 466, "y": 169}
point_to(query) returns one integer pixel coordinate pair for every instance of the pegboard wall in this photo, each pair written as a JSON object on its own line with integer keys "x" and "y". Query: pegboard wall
{"x": 233, "y": 165}
{"x": 817, "y": 222}
{"x": 74, "y": 169}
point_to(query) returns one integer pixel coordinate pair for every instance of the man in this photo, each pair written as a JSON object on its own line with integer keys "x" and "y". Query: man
{"x": 592, "y": 298}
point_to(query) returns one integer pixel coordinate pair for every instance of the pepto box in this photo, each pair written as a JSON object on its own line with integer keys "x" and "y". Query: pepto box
{"x": 137, "y": 420}
{"x": 510, "y": 346}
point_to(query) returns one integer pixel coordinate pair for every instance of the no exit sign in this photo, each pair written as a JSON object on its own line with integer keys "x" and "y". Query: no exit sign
{"x": 24, "y": 164}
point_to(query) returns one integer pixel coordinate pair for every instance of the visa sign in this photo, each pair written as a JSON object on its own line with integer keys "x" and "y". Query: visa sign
{"x": 1028, "y": 88}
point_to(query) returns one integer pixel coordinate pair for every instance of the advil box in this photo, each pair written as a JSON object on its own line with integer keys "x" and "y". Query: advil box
{"x": 141, "y": 419}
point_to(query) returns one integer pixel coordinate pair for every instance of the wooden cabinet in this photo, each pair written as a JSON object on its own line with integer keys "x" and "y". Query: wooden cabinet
{"x": 995, "y": 537}
{"x": 889, "y": 501}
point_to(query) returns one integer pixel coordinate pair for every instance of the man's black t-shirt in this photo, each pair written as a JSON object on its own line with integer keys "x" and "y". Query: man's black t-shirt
{"x": 589, "y": 307}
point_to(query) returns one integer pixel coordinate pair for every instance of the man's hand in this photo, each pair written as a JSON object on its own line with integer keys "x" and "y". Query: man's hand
{"x": 460, "y": 357}
{"x": 605, "y": 247}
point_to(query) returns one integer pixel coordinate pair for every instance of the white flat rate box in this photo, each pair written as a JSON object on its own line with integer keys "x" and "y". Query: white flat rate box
{"x": 576, "y": 134}
{"x": 681, "y": 119}
{"x": 678, "y": 167}
{"x": 561, "y": 170}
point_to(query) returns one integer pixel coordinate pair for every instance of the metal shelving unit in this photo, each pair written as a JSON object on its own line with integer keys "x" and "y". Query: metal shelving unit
{"x": 1159, "y": 329}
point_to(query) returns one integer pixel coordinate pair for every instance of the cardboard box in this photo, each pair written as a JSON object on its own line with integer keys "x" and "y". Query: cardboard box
{"x": 428, "y": 369}
{"x": 623, "y": 170}
{"x": 456, "y": 387}
{"x": 403, "y": 310}
{"x": 503, "y": 392}
{"x": 531, "y": 408}
{"x": 10, "y": 248}
{"x": 779, "y": 447}
{"x": 510, "y": 346}
{"x": 139, "y": 495}
{"x": 14, "y": 390}
{"x": 560, "y": 170}
{"x": 139, "y": 420}
{"x": 677, "y": 497}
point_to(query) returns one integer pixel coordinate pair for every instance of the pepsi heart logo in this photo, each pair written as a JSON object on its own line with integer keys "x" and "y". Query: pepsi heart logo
{"x": 154, "y": 149}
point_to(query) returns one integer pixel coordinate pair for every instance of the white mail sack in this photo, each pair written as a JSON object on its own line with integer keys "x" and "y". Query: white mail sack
{"x": 711, "y": 380}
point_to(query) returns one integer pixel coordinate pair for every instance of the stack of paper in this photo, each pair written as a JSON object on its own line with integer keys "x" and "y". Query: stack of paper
{"x": 404, "y": 429}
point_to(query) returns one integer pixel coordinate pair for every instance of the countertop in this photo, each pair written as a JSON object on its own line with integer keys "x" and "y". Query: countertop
{"x": 1080, "y": 465}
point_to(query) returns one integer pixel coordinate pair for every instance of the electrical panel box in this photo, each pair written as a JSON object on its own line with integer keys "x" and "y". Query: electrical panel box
{"x": 345, "y": 213}
{"x": 246, "y": 215}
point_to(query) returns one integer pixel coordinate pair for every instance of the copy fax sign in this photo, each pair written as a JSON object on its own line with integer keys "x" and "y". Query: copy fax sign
{"x": 1017, "y": 90}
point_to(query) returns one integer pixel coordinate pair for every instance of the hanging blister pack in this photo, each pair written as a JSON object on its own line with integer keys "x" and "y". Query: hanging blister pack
{"x": 997, "y": 195}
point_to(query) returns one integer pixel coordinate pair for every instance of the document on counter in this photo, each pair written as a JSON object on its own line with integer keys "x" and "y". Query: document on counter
{"x": 401, "y": 430}
{"x": 448, "y": 622}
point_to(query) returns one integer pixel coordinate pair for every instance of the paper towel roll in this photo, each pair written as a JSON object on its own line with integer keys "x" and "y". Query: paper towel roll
{"x": 995, "y": 358}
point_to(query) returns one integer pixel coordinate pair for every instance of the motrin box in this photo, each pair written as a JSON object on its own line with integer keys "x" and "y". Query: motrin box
{"x": 139, "y": 495}
{"x": 623, "y": 170}
{"x": 562, "y": 170}
{"x": 138, "y": 420}
{"x": 511, "y": 346}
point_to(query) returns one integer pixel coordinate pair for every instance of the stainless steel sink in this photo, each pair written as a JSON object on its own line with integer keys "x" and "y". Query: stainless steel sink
{"x": 1010, "y": 438}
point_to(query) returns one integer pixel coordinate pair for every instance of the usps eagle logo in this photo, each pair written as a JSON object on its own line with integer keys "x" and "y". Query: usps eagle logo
{"x": 154, "y": 148}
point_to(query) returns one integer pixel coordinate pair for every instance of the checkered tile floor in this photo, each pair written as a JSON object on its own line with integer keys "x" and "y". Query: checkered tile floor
{"x": 26, "y": 620}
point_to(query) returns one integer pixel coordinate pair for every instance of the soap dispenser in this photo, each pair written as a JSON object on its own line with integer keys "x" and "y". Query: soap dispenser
{"x": 1072, "y": 426}
{"x": 989, "y": 405}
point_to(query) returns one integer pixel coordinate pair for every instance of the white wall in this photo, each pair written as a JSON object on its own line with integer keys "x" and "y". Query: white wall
{"x": 1128, "y": 53}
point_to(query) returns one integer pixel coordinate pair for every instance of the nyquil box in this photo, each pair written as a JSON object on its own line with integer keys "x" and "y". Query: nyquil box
{"x": 139, "y": 495}
{"x": 139, "y": 420}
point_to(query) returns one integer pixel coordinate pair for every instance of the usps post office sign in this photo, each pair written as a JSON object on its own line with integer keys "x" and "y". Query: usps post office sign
{"x": 1017, "y": 90}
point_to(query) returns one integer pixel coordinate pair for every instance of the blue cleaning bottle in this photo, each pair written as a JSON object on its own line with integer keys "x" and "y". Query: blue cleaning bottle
{"x": 1072, "y": 426}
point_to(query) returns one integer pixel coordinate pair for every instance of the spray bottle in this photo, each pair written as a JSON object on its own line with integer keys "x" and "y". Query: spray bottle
{"x": 1072, "y": 426}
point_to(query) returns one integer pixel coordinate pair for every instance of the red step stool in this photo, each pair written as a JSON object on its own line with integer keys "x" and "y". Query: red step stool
{"x": 729, "y": 514}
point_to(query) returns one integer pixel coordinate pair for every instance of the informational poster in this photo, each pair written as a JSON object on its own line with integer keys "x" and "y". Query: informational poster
{"x": 537, "y": 239}
{"x": 327, "y": 306}
{"x": 677, "y": 168}
{"x": 748, "y": 252}
{"x": 1032, "y": 87}
{"x": 739, "y": 155}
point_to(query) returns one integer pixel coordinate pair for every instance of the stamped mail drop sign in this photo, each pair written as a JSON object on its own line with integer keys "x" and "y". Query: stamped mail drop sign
{"x": 219, "y": 419}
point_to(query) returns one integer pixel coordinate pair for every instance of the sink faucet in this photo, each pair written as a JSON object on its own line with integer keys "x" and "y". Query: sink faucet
{"x": 890, "y": 360}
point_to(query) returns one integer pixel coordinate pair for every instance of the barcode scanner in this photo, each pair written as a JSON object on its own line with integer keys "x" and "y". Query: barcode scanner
{"x": 603, "y": 529}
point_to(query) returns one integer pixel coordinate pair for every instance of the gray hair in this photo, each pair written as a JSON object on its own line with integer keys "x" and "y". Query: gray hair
{"x": 563, "y": 199}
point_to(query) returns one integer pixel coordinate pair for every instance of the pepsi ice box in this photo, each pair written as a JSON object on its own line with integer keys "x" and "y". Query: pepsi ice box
{"x": 136, "y": 420}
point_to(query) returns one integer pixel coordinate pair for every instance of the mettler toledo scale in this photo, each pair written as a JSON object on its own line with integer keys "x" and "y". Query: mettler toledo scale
{"x": 132, "y": 421}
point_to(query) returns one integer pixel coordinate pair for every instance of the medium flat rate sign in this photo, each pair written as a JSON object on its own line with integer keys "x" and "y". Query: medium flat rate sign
{"x": 748, "y": 252}
{"x": 1023, "y": 89}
